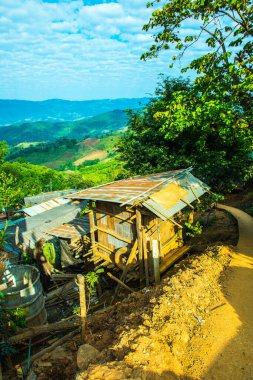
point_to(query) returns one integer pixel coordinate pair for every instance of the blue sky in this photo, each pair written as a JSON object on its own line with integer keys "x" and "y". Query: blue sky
{"x": 78, "y": 50}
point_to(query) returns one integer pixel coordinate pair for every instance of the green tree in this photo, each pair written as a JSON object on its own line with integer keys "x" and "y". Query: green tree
{"x": 10, "y": 193}
{"x": 209, "y": 124}
{"x": 3, "y": 150}
{"x": 226, "y": 27}
{"x": 180, "y": 128}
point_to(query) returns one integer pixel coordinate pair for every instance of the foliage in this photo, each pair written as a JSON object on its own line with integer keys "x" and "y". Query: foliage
{"x": 193, "y": 229}
{"x": 90, "y": 162}
{"x": 92, "y": 279}
{"x": 208, "y": 201}
{"x": 103, "y": 172}
{"x": 27, "y": 259}
{"x": 3, "y": 235}
{"x": 226, "y": 27}
{"x": 206, "y": 124}
{"x": 10, "y": 192}
{"x": 3, "y": 150}
{"x": 49, "y": 252}
{"x": 181, "y": 128}
{"x": 8, "y": 321}
{"x": 18, "y": 318}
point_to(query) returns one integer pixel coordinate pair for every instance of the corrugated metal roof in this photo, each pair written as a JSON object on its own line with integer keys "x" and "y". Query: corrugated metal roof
{"x": 75, "y": 229}
{"x": 45, "y": 206}
{"x": 194, "y": 188}
{"x": 142, "y": 188}
{"x": 124, "y": 190}
{"x": 44, "y": 197}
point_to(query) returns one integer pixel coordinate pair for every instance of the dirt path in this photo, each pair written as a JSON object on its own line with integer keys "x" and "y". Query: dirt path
{"x": 226, "y": 353}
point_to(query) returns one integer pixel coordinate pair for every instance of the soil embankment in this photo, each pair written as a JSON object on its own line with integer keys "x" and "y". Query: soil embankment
{"x": 195, "y": 325}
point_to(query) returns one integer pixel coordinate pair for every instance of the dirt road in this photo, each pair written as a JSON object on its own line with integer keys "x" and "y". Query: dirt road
{"x": 227, "y": 351}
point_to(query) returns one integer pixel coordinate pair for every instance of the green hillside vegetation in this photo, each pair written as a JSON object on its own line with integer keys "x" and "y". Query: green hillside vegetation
{"x": 62, "y": 153}
{"x": 44, "y": 131}
{"x": 20, "y": 179}
{"x": 104, "y": 171}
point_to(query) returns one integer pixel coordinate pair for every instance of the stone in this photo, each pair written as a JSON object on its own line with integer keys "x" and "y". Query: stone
{"x": 86, "y": 355}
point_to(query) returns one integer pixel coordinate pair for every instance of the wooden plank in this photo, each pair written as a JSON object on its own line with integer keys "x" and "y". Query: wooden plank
{"x": 156, "y": 256}
{"x": 139, "y": 240}
{"x": 103, "y": 256}
{"x": 173, "y": 256}
{"x": 145, "y": 256}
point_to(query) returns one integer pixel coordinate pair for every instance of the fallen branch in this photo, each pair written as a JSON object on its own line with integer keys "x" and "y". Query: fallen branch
{"x": 65, "y": 324}
{"x": 120, "y": 282}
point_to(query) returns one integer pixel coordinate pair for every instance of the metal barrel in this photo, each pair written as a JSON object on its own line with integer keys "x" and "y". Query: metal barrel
{"x": 26, "y": 293}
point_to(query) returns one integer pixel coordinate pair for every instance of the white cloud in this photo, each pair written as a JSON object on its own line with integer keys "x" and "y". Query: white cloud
{"x": 71, "y": 50}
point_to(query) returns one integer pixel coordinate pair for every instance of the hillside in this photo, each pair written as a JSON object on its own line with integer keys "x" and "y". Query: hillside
{"x": 43, "y": 131}
{"x": 13, "y": 111}
{"x": 94, "y": 158}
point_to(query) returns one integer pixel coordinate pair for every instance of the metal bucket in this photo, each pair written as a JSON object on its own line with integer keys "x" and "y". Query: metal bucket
{"x": 26, "y": 293}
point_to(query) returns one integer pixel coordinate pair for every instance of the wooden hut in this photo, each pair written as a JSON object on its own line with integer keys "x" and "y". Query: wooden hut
{"x": 134, "y": 223}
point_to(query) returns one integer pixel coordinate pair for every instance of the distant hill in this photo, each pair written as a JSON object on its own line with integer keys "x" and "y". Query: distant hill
{"x": 18, "y": 111}
{"x": 67, "y": 154}
{"x": 44, "y": 131}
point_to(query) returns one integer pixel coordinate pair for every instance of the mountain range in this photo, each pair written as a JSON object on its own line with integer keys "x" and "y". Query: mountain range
{"x": 45, "y": 131}
{"x": 18, "y": 111}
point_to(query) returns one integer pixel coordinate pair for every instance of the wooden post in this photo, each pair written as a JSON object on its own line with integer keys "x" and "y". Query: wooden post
{"x": 145, "y": 256}
{"x": 16, "y": 236}
{"x": 92, "y": 230}
{"x": 81, "y": 285}
{"x": 156, "y": 256}
{"x": 139, "y": 239}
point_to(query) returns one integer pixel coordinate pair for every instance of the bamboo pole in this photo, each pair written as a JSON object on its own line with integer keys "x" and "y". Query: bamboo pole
{"x": 81, "y": 285}
{"x": 145, "y": 256}
{"x": 156, "y": 256}
{"x": 139, "y": 239}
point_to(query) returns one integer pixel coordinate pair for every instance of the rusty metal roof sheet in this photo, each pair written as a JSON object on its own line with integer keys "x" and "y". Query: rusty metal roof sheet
{"x": 124, "y": 190}
{"x": 45, "y": 206}
{"x": 143, "y": 188}
{"x": 75, "y": 229}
